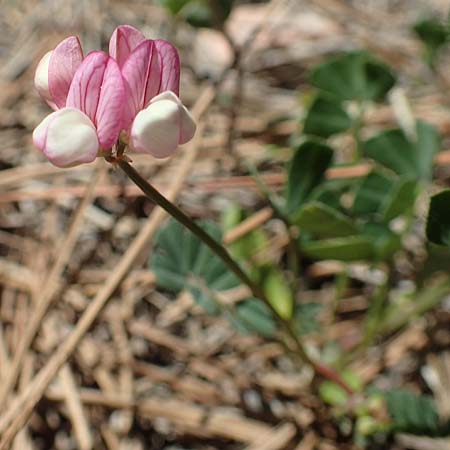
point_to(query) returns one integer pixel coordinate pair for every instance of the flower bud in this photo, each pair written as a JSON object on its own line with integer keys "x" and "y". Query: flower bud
{"x": 67, "y": 137}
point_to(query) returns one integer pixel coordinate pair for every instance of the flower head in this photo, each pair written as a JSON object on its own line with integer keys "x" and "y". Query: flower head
{"x": 134, "y": 89}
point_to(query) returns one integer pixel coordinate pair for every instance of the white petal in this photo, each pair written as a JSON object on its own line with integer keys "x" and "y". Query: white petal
{"x": 68, "y": 138}
{"x": 156, "y": 129}
{"x": 40, "y": 132}
{"x": 188, "y": 125}
{"x": 41, "y": 79}
{"x": 166, "y": 95}
{"x": 187, "y": 122}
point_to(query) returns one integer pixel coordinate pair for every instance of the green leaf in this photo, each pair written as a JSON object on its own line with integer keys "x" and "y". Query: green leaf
{"x": 181, "y": 261}
{"x": 386, "y": 195}
{"x": 372, "y": 192}
{"x": 206, "y": 13}
{"x": 305, "y": 318}
{"x": 326, "y": 117}
{"x": 278, "y": 293}
{"x": 353, "y": 380}
{"x": 244, "y": 248}
{"x": 354, "y": 76}
{"x": 322, "y": 221}
{"x": 401, "y": 199}
{"x": 307, "y": 169}
{"x": 174, "y": 6}
{"x": 332, "y": 394}
{"x": 434, "y": 36}
{"x": 366, "y": 426}
{"x": 253, "y": 316}
{"x": 437, "y": 262}
{"x": 411, "y": 413}
{"x": 198, "y": 14}
{"x": 432, "y": 32}
{"x": 224, "y": 7}
{"x": 330, "y": 192}
{"x": 384, "y": 241}
{"x": 351, "y": 248}
{"x": 438, "y": 222}
{"x": 395, "y": 151}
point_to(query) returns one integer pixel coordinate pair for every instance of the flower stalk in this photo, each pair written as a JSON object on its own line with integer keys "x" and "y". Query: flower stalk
{"x": 154, "y": 195}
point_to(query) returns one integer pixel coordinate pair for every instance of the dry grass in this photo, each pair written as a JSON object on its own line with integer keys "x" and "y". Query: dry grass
{"x": 92, "y": 356}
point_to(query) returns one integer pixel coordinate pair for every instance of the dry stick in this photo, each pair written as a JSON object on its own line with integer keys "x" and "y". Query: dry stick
{"x": 33, "y": 171}
{"x": 185, "y": 415}
{"x": 125, "y": 375}
{"x": 44, "y": 299}
{"x": 442, "y": 159}
{"x": 4, "y": 356}
{"x": 80, "y": 424}
{"x": 275, "y": 439}
{"x": 214, "y": 184}
{"x": 18, "y": 413}
{"x": 248, "y": 225}
{"x": 23, "y": 440}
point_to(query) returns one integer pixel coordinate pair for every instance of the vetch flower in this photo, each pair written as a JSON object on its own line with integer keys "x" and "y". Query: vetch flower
{"x": 154, "y": 116}
{"x": 87, "y": 95}
{"x": 134, "y": 89}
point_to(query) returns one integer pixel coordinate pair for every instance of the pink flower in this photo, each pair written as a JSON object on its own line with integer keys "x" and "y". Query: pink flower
{"x": 156, "y": 119}
{"x": 134, "y": 89}
{"x": 87, "y": 96}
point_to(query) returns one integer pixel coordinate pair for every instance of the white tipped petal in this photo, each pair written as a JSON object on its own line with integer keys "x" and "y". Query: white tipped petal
{"x": 41, "y": 79}
{"x": 67, "y": 138}
{"x": 40, "y": 132}
{"x": 156, "y": 129}
{"x": 187, "y": 122}
{"x": 166, "y": 95}
{"x": 188, "y": 125}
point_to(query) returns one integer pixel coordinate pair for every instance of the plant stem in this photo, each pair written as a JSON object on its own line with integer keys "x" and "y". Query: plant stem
{"x": 294, "y": 256}
{"x": 358, "y": 123}
{"x": 223, "y": 254}
{"x": 181, "y": 217}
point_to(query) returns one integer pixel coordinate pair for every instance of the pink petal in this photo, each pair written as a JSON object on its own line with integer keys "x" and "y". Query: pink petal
{"x": 84, "y": 92}
{"x": 64, "y": 62}
{"x": 141, "y": 73}
{"x": 170, "y": 66}
{"x": 109, "y": 116}
{"x": 124, "y": 40}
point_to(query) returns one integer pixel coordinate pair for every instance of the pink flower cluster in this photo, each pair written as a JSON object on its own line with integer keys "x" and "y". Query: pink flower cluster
{"x": 133, "y": 89}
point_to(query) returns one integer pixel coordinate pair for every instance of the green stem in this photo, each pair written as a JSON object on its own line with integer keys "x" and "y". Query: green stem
{"x": 424, "y": 300}
{"x": 376, "y": 313}
{"x": 223, "y": 254}
{"x": 294, "y": 256}
{"x": 358, "y": 123}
